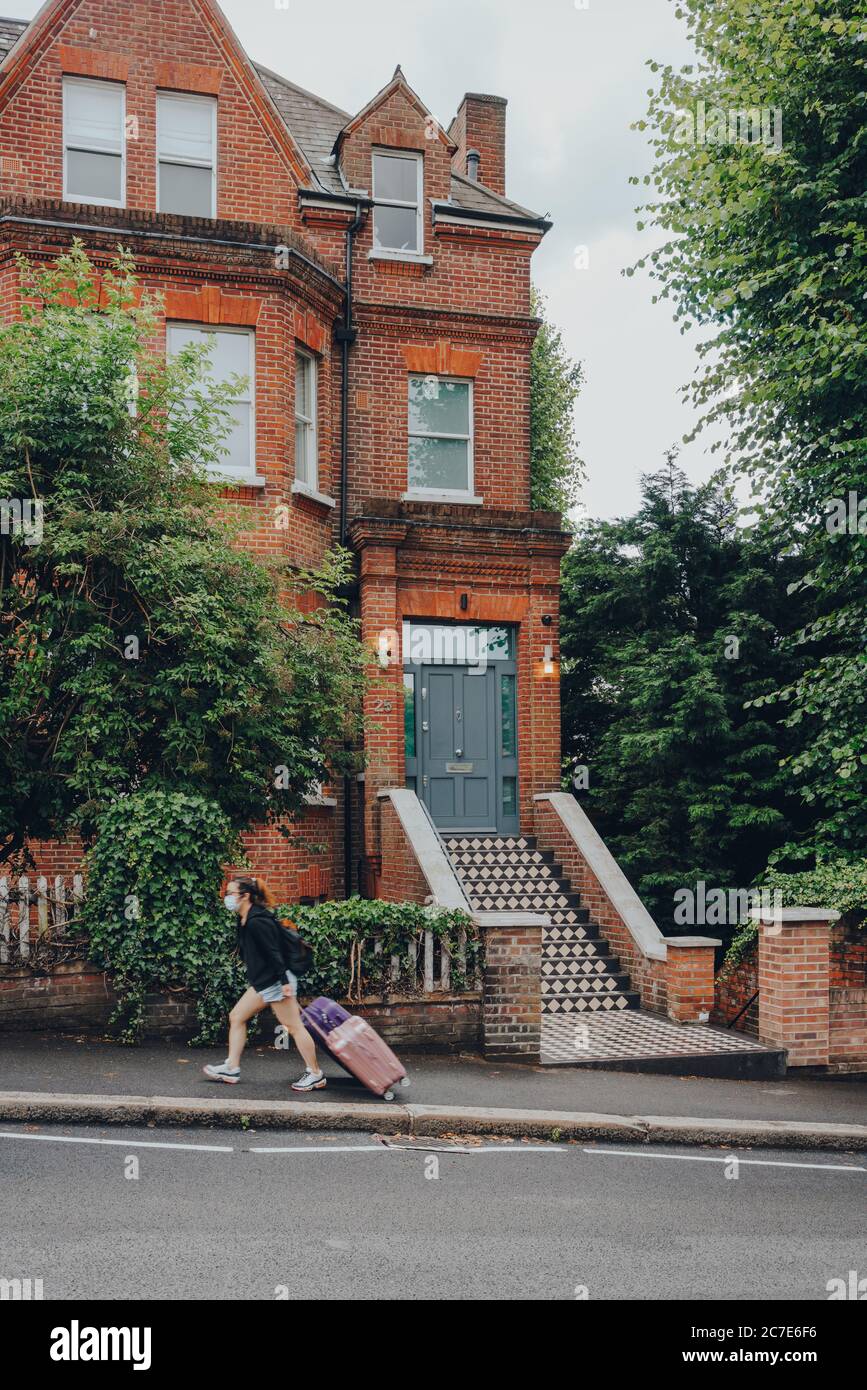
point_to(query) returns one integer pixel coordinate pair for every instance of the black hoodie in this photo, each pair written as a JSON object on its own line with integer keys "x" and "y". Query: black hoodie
{"x": 261, "y": 948}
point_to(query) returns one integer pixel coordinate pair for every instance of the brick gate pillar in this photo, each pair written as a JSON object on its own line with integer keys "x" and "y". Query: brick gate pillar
{"x": 512, "y": 998}
{"x": 795, "y": 983}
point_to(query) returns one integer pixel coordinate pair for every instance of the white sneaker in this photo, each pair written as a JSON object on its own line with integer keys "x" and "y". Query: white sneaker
{"x": 310, "y": 1081}
{"x": 231, "y": 1075}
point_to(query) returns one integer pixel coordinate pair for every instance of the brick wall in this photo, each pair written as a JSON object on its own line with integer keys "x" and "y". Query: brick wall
{"x": 847, "y": 1040}
{"x": 78, "y": 998}
{"x": 733, "y": 987}
{"x": 401, "y": 879}
{"x": 848, "y": 947}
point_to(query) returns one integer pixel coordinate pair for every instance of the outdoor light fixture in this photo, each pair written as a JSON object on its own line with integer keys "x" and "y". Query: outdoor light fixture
{"x": 548, "y": 660}
{"x": 465, "y": 602}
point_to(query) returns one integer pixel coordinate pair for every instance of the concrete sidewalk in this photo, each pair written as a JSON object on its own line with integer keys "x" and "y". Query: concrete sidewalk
{"x": 48, "y": 1077}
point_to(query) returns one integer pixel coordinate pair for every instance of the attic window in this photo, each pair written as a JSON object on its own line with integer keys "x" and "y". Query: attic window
{"x": 186, "y": 140}
{"x": 397, "y": 198}
{"x": 93, "y": 143}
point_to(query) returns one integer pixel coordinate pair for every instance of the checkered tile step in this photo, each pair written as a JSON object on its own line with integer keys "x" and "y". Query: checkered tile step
{"x": 631, "y": 1036}
{"x": 510, "y": 874}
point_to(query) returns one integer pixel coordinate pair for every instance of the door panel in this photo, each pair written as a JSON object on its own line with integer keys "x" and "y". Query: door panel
{"x": 458, "y": 746}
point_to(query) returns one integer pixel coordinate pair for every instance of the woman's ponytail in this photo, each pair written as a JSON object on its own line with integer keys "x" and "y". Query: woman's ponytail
{"x": 258, "y": 890}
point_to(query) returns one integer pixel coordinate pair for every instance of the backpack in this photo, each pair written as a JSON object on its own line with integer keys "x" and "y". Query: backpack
{"x": 297, "y": 953}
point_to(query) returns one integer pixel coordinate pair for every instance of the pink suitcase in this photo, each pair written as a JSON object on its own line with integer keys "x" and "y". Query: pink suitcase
{"x": 360, "y": 1049}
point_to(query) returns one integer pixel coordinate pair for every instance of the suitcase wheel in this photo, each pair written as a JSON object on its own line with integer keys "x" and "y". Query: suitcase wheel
{"x": 388, "y": 1095}
{"x": 404, "y": 1081}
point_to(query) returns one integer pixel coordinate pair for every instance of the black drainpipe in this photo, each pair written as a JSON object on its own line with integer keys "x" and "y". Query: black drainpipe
{"x": 346, "y": 334}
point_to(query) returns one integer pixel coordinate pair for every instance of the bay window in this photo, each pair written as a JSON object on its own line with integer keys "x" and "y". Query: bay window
{"x": 232, "y": 354}
{"x": 306, "y": 469}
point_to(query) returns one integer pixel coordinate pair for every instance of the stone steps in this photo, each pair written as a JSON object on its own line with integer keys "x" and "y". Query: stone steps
{"x": 580, "y": 975}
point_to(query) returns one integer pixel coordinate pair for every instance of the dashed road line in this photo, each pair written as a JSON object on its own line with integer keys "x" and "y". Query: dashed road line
{"x": 713, "y": 1158}
{"x": 118, "y": 1143}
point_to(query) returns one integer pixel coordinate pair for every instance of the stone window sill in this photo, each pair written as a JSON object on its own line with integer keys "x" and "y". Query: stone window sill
{"x": 460, "y": 498}
{"x": 232, "y": 480}
{"x": 407, "y": 257}
{"x": 302, "y": 490}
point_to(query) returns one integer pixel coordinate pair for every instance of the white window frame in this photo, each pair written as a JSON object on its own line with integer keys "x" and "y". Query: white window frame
{"x": 192, "y": 163}
{"x": 68, "y": 197}
{"x": 396, "y": 251}
{"x": 310, "y": 484}
{"x": 433, "y": 494}
{"x": 247, "y": 477}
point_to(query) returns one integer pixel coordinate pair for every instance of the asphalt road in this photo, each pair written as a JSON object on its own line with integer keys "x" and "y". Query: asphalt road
{"x": 343, "y": 1217}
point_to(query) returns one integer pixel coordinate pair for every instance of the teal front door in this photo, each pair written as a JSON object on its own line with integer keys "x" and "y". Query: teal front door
{"x": 461, "y": 735}
{"x": 458, "y": 746}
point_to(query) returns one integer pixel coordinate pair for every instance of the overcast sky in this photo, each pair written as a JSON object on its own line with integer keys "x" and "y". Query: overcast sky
{"x": 575, "y": 78}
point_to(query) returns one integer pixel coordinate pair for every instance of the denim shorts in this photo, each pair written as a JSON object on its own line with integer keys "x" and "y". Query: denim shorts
{"x": 274, "y": 993}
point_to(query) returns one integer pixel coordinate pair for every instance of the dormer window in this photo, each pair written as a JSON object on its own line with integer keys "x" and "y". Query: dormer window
{"x": 186, "y": 144}
{"x": 397, "y": 198}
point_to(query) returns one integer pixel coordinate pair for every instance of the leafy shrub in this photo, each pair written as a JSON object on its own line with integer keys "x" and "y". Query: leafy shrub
{"x": 837, "y": 883}
{"x": 342, "y": 935}
{"x": 152, "y": 911}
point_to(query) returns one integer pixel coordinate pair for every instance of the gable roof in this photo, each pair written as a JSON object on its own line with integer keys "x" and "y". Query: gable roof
{"x": 398, "y": 83}
{"x": 315, "y": 125}
{"x": 51, "y": 18}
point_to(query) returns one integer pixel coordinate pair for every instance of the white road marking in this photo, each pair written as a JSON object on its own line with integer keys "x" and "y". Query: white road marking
{"x": 711, "y": 1158}
{"x": 321, "y": 1149}
{"x": 119, "y": 1143}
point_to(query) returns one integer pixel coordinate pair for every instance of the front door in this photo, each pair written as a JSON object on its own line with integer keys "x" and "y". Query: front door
{"x": 461, "y": 725}
{"x": 458, "y": 746}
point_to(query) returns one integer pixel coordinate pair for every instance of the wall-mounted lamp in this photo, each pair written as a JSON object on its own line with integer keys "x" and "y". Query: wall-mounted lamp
{"x": 465, "y": 602}
{"x": 548, "y": 660}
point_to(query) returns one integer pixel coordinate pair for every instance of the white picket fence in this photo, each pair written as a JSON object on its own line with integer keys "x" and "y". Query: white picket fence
{"x": 33, "y": 909}
{"x": 427, "y": 962}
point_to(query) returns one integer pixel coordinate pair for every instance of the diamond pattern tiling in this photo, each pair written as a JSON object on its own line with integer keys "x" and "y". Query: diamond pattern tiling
{"x": 510, "y": 874}
{"x": 632, "y": 1035}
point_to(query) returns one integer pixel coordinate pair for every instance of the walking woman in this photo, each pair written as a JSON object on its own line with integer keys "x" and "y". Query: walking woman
{"x": 261, "y": 947}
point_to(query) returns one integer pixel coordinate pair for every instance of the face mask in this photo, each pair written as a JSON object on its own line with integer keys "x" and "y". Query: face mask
{"x": 231, "y": 902}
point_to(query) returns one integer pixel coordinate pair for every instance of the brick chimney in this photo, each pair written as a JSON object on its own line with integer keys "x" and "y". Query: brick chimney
{"x": 480, "y": 125}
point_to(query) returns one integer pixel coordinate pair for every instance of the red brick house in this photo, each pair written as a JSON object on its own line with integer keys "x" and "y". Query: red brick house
{"x": 370, "y": 277}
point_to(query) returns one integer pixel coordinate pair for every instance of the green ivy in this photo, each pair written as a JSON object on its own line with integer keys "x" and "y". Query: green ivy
{"x": 742, "y": 945}
{"x": 833, "y": 883}
{"x": 342, "y": 935}
{"x": 154, "y": 920}
{"x": 152, "y": 910}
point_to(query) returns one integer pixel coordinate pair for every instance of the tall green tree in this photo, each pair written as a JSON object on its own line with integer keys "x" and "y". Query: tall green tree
{"x": 760, "y": 176}
{"x": 556, "y": 469}
{"x": 670, "y": 626}
{"x": 141, "y": 644}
